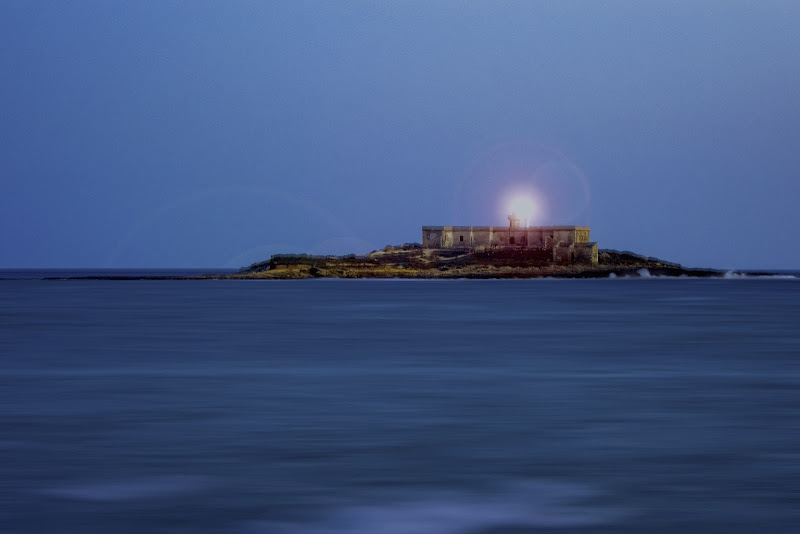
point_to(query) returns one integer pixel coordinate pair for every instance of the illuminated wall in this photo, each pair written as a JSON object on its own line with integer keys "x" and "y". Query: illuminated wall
{"x": 502, "y": 236}
{"x": 568, "y": 243}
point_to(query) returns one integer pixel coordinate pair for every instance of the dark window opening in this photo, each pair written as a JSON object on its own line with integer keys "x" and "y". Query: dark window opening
{"x": 511, "y": 240}
{"x": 461, "y": 238}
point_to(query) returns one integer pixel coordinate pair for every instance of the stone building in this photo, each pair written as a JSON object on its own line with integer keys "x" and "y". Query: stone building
{"x": 568, "y": 244}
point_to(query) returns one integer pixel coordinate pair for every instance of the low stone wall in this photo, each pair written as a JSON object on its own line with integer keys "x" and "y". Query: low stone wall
{"x": 584, "y": 253}
{"x": 470, "y": 237}
{"x": 564, "y": 244}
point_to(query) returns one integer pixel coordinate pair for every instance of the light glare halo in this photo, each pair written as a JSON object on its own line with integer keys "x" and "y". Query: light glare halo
{"x": 523, "y": 207}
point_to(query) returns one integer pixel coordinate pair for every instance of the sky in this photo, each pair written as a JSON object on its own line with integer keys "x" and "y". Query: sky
{"x": 213, "y": 134}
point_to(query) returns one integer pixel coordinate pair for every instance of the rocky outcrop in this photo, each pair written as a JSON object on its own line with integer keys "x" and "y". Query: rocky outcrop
{"x": 412, "y": 261}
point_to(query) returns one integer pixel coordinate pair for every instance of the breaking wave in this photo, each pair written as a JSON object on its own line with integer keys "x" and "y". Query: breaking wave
{"x": 526, "y": 504}
{"x": 734, "y": 275}
{"x": 728, "y": 275}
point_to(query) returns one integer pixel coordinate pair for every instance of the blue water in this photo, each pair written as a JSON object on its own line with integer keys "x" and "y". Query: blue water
{"x": 39, "y": 274}
{"x": 400, "y": 407}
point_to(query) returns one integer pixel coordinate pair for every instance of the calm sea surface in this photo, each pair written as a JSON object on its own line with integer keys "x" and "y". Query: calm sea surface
{"x": 400, "y": 407}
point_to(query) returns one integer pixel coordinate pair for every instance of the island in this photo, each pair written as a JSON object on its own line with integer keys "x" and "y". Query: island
{"x": 513, "y": 251}
{"x": 473, "y": 252}
{"x": 411, "y": 260}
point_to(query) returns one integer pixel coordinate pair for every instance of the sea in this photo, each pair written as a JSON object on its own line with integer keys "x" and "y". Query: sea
{"x": 642, "y": 405}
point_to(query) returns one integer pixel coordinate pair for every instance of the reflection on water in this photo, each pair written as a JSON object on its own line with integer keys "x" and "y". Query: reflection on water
{"x": 522, "y": 504}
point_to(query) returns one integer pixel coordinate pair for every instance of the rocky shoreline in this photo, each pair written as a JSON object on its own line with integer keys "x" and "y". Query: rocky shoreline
{"x": 413, "y": 261}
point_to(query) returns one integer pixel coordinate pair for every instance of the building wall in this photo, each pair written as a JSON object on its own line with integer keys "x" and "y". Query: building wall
{"x": 576, "y": 253}
{"x": 568, "y": 243}
{"x": 493, "y": 236}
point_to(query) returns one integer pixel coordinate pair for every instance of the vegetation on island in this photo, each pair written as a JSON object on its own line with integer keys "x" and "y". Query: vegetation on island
{"x": 413, "y": 261}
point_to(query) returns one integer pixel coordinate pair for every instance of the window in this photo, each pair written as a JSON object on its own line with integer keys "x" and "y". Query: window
{"x": 511, "y": 240}
{"x": 461, "y": 238}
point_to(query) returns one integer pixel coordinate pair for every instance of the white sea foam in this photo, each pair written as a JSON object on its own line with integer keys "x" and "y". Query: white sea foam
{"x": 733, "y": 275}
{"x": 129, "y": 489}
{"x": 528, "y": 504}
{"x": 729, "y": 275}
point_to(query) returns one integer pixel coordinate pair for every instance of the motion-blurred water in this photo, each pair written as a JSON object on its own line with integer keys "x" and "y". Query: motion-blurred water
{"x": 400, "y": 407}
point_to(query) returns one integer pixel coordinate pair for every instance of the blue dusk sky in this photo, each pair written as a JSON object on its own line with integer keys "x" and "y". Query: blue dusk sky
{"x": 213, "y": 134}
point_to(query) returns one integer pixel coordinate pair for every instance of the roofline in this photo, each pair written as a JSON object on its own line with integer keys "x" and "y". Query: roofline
{"x": 473, "y": 228}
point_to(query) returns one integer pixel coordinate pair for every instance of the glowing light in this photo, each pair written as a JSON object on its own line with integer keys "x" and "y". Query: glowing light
{"x": 524, "y": 207}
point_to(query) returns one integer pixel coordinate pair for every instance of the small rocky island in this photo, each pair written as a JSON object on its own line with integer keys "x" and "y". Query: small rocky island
{"x": 414, "y": 261}
{"x": 513, "y": 251}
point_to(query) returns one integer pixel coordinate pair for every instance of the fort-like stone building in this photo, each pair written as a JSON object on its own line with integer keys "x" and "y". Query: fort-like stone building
{"x": 568, "y": 244}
